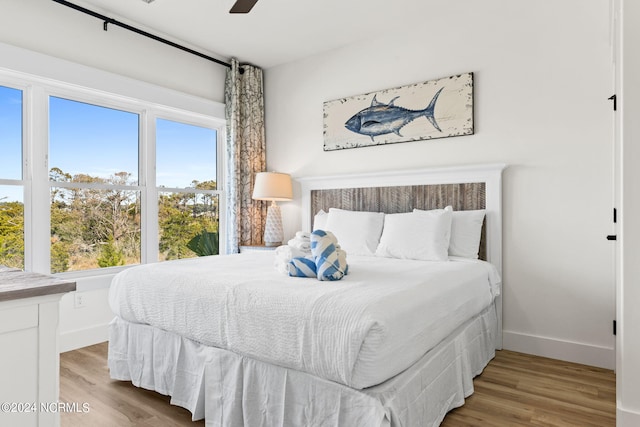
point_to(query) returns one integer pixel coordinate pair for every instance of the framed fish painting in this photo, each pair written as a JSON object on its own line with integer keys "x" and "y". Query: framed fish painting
{"x": 432, "y": 109}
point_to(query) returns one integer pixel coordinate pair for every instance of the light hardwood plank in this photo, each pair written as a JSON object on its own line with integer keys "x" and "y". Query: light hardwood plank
{"x": 84, "y": 377}
{"x": 514, "y": 390}
{"x": 523, "y": 390}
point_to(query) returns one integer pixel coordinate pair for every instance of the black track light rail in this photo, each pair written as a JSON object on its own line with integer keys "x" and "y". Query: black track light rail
{"x": 106, "y": 20}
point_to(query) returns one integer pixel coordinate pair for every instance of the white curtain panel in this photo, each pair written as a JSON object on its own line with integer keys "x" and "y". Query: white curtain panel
{"x": 246, "y": 155}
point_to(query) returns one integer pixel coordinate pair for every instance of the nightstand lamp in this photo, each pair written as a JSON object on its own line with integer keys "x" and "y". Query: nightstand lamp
{"x": 276, "y": 187}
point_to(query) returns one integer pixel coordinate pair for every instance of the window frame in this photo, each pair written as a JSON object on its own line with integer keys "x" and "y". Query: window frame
{"x": 153, "y": 236}
{"x": 35, "y": 144}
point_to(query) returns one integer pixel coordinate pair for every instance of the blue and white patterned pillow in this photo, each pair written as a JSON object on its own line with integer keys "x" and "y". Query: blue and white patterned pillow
{"x": 330, "y": 260}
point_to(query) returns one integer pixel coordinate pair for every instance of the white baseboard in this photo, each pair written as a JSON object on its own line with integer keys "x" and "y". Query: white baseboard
{"x": 586, "y": 354}
{"x": 79, "y": 338}
{"x": 627, "y": 418}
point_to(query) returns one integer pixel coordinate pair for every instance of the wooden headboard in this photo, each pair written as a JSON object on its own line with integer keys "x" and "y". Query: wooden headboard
{"x": 462, "y": 187}
{"x": 398, "y": 199}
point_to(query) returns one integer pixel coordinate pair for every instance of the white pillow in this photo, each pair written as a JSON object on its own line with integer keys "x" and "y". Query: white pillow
{"x": 466, "y": 230}
{"x": 421, "y": 235}
{"x": 320, "y": 220}
{"x": 358, "y": 233}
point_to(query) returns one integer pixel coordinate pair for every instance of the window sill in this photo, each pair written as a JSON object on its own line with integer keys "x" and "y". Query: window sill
{"x": 91, "y": 280}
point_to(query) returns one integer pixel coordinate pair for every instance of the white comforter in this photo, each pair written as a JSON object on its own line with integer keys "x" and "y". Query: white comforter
{"x": 359, "y": 331}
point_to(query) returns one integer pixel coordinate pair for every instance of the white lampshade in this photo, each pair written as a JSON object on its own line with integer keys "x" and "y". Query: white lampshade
{"x": 273, "y": 186}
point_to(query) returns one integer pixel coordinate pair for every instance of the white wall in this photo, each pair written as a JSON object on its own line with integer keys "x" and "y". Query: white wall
{"x": 543, "y": 73}
{"x": 628, "y": 343}
{"x": 45, "y": 27}
{"x": 48, "y": 27}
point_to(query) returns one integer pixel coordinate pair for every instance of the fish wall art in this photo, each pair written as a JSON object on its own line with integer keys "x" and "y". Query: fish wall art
{"x": 432, "y": 109}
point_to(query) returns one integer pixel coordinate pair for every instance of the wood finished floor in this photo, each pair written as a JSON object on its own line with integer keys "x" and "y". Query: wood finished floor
{"x": 514, "y": 390}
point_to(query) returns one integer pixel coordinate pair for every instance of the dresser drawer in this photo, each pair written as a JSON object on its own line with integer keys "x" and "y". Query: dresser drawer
{"x": 18, "y": 318}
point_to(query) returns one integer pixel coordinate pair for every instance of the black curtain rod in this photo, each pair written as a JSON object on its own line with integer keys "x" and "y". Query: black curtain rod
{"x": 108, "y": 20}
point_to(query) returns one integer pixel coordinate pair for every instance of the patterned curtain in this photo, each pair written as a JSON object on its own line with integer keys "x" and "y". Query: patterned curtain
{"x": 246, "y": 155}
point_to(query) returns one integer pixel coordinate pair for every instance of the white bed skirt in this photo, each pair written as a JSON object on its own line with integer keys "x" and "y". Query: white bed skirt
{"x": 231, "y": 390}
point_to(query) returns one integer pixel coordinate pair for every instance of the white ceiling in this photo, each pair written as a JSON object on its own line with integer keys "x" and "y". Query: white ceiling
{"x": 274, "y": 32}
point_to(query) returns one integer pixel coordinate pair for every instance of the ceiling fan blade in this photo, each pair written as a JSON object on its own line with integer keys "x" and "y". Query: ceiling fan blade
{"x": 243, "y": 6}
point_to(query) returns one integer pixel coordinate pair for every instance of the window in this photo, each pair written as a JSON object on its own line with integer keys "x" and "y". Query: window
{"x": 93, "y": 179}
{"x": 11, "y": 179}
{"x": 186, "y": 176}
{"x": 95, "y": 197}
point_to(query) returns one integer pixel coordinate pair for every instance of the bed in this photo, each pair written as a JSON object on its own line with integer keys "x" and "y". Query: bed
{"x": 396, "y": 342}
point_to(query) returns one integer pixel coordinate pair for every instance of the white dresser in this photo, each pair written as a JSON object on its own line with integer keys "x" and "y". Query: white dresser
{"x": 29, "y": 356}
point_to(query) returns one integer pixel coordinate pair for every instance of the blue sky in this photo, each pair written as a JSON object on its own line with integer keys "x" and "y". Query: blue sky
{"x": 184, "y": 153}
{"x": 10, "y": 142}
{"x": 92, "y": 140}
{"x": 99, "y": 141}
{"x": 10, "y": 133}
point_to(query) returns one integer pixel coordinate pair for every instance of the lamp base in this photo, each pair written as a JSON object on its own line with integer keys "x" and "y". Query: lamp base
{"x": 273, "y": 233}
